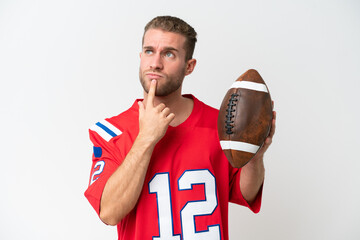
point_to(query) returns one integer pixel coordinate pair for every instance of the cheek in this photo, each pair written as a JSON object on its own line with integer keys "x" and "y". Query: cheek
{"x": 176, "y": 67}
{"x": 143, "y": 62}
{"x": 181, "y": 69}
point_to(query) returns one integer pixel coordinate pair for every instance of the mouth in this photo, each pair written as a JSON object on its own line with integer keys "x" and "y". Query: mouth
{"x": 153, "y": 75}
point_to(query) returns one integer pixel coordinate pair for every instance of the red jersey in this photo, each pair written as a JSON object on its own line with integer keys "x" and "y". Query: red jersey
{"x": 189, "y": 181}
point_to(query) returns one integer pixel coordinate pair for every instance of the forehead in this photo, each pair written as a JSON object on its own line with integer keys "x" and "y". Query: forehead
{"x": 158, "y": 38}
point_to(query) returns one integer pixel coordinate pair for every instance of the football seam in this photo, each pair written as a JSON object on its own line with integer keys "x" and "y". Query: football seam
{"x": 229, "y": 115}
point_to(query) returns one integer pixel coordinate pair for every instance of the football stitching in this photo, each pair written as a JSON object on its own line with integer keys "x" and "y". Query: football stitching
{"x": 229, "y": 115}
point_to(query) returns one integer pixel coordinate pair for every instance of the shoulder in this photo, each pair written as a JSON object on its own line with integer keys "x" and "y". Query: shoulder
{"x": 204, "y": 107}
{"x": 112, "y": 127}
{"x": 208, "y": 114}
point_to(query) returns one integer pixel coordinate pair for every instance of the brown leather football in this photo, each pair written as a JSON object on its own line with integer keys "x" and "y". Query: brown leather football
{"x": 245, "y": 118}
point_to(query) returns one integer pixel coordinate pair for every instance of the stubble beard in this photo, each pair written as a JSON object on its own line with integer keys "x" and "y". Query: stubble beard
{"x": 168, "y": 84}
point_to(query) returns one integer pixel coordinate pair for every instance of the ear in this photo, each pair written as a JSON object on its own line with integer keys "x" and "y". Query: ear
{"x": 140, "y": 54}
{"x": 190, "y": 65}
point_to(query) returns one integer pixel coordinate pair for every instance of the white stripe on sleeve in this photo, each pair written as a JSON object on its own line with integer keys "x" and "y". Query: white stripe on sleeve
{"x": 111, "y": 127}
{"x": 101, "y": 132}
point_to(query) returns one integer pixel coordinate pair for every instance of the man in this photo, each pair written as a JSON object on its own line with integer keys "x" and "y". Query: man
{"x": 158, "y": 169}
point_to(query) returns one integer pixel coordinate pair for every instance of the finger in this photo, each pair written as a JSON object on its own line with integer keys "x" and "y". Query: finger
{"x": 268, "y": 141}
{"x": 160, "y": 107}
{"x": 166, "y": 111}
{"x": 151, "y": 93}
{"x": 273, "y": 125}
{"x": 266, "y": 145}
{"x": 170, "y": 117}
{"x": 141, "y": 107}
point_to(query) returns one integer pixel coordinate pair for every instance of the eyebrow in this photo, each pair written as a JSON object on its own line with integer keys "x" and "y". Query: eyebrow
{"x": 163, "y": 50}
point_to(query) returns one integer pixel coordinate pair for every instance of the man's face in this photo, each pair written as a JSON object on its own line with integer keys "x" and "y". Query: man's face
{"x": 163, "y": 59}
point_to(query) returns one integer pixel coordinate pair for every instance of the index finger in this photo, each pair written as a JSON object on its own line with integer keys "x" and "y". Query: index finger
{"x": 151, "y": 93}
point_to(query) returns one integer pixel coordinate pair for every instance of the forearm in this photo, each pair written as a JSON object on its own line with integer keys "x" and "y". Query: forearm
{"x": 252, "y": 178}
{"x": 123, "y": 188}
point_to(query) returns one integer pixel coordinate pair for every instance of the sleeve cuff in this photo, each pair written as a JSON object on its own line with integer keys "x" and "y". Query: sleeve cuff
{"x": 237, "y": 197}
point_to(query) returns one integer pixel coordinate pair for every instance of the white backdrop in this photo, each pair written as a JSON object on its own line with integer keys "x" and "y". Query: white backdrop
{"x": 67, "y": 64}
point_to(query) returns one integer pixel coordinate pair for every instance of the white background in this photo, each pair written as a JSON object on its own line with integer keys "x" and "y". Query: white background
{"x": 66, "y": 64}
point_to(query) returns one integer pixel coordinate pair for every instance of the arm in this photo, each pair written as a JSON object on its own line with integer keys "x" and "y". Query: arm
{"x": 123, "y": 188}
{"x": 253, "y": 173}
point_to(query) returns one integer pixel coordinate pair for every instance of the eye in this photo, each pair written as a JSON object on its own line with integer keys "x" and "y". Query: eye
{"x": 169, "y": 54}
{"x": 147, "y": 51}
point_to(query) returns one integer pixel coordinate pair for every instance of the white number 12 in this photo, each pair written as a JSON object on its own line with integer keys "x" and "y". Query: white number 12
{"x": 160, "y": 184}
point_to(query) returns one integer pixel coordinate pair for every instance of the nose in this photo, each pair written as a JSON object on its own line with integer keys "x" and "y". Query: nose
{"x": 156, "y": 62}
